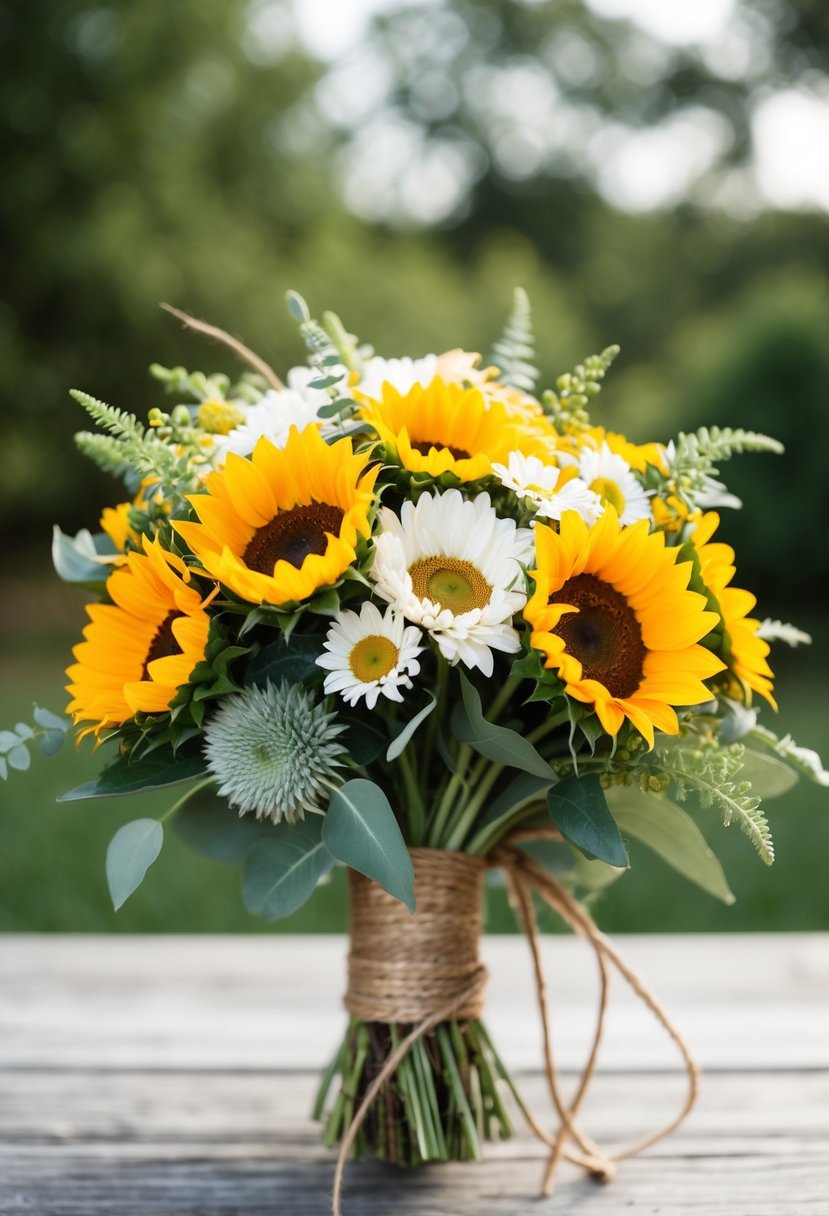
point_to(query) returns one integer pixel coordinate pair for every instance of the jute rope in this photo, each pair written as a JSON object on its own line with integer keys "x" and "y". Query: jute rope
{"x": 389, "y": 968}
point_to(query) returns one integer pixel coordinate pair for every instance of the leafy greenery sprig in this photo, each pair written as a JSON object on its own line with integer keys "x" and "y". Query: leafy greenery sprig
{"x": 568, "y": 405}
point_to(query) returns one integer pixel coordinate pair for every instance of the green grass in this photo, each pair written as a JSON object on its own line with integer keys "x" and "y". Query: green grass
{"x": 52, "y": 855}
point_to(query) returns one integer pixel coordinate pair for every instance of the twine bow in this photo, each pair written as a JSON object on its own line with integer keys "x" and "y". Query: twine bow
{"x": 524, "y": 878}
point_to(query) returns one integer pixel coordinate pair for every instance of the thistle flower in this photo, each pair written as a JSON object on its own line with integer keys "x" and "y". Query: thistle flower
{"x": 273, "y": 751}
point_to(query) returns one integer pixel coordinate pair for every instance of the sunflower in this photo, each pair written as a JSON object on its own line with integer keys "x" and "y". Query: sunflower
{"x": 280, "y": 525}
{"x": 444, "y": 428}
{"x": 612, "y": 614}
{"x": 745, "y": 652}
{"x": 138, "y": 650}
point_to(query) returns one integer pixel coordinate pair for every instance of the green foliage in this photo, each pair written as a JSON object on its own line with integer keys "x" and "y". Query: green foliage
{"x": 712, "y": 775}
{"x": 125, "y": 776}
{"x": 803, "y": 759}
{"x": 514, "y": 352}
{"x": 131, "y": 852}
{"x": 360, "y": 830}
{"x": 48, "y": 732}
{"x": 282, "y": 870}
{"x": 575, "y": 389}
{"x": 209, "y": 825}
{"x": 497, "y": 743}
{"x": 579, "y": 809}
{"x": 672, "y": 834}
{"x": 404, "y": 735}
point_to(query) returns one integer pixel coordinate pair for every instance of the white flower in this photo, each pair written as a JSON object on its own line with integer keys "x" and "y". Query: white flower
{"x": 611, "y": 477}
{"x": 370, "y": 654}
{"x": 548, "y": 490}
{"x": 453, "y": 567}
{"x": 273, "y": 415}
{"x": 273, "y": 751}
{"x": 402, "y": 374}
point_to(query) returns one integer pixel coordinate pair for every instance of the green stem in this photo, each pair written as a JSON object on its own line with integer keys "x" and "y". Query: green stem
{"x": 185, "y": 797}
{"x": 437, "y": 715}
{"x": 546, "y": 726}
{"x": 467, "y": 818}
{"x": 450, "y": 795}
{"x": 453, "y": 1077}
{"x": 415, "y": 810}
{"x": 502, "y": 697}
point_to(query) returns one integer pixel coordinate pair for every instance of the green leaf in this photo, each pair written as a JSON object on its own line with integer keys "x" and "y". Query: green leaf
{"x": 672, "y": 834}
{"x": 131, "y": 852}
{"x": 23, "y": 730}
{"x": 297, "y": 307}
{"x": 363, "y": 738}
{"x": 8, "y": 740}
{"x": 293, "y": 660}
{"x": 151, "y": 773}
{"x": 400, "y": 741}
{"x": 360, "y": 829}
{"x": 210, "y": 826}
{"x": 497, "y": 743}
{"x": 281, "y": 872}
{"x": 769, "y": 776}
{"x": 579, "y": 810}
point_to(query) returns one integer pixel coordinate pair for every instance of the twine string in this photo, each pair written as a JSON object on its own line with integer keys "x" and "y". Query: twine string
{"x": 458, "y": 991}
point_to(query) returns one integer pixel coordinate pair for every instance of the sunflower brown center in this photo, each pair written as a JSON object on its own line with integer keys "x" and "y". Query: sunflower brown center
{"x": 424, "y": 446}
{"x": 291, "y": 536}
{"x": 450, "y": 582}
{"x": 164, "y": 643}
{"x": 604, "y": 635}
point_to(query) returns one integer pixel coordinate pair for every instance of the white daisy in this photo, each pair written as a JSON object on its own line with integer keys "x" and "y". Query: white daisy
{"x": 402, "y": 374}
{"x": 273, "y": 415}
{"x": 453, "y": 567}
{"x": 369, "y": 654}
{"x": 611, "y": 477}
{"x": 549, "y": 490}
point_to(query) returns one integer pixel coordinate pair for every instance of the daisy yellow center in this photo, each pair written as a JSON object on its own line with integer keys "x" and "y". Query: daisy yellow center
{"x": 373, "y": 657}
{"x": 291, "y": 536}
{"x": 604, "y": 635}
{"x": 164, "y": 643}
{"x": 424, "y": 446}
{"x": 451, "y": 582}
{"x": 609, "y": 491}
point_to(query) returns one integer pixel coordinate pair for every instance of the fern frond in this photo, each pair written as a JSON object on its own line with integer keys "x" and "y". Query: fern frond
{"x": 568, "y": 405}
{"x": 108, "y": 417}
{"x": 806, "y": 761}
{"x": 720, "y": 443}
{"x": 781, "y": 631}
{"x": 711, "y": 774}
{"x": 105, "y": 450}
{"x": 514, "y": 352}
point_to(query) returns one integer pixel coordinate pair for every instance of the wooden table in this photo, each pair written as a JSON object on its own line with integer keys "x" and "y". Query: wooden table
{"x": 172, "y": 1076}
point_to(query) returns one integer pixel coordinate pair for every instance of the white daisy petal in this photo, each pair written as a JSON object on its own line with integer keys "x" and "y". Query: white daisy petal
{"x": 369, "y": 654}
{"x": 450, "y": 565}
{"x": 611, "y": 477}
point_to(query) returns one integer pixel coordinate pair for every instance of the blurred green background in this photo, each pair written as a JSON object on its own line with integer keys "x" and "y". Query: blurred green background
{"x": 654, "y": 175}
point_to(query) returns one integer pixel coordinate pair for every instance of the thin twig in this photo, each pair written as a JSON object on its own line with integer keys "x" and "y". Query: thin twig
{"x": 220, "y": 335}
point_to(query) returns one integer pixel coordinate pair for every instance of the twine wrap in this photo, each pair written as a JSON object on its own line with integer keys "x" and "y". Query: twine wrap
{"x": 525, "y": 878}
{"x": 404, "y": 969}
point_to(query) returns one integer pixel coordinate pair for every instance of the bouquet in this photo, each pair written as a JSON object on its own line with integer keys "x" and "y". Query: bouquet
{"x": 418, "y": 618}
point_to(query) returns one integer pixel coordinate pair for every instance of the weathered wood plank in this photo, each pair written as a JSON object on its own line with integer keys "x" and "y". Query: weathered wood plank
{"x": 748, "y": 1001}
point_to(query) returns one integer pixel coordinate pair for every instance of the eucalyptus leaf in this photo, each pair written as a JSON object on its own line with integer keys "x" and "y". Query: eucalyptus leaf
{"x": 363, "y": 738}
{"x": 78, "y": 559}
{"x": 672, "y": 834}
{"x": 51, "y": 743}
{"x": 360, "y": 830}
{"x": 578, "y": 808}
{"x": 149, "y": 773}
{"x": 522, "y": 790}
{"x": 497, "y": 743}
{"x": 282, "y": 870}
{"x": 19, "y": 758}
{"x": 401, "y": 740}
{"x": 210, "y": 826}
{"x": 131, "y": 852}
